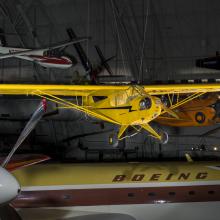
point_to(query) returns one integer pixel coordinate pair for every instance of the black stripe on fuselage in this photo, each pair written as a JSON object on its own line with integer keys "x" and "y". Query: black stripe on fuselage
{"x": 122, "y": 107}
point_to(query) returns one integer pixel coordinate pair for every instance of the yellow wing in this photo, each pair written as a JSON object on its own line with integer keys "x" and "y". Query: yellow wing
{"x": 181, "y": 88}
{"x": 85, "y": 90}
{"x": 60, "y": 90}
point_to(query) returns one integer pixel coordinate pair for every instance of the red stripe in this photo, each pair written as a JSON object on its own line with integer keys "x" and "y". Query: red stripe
{"x": 52, "y": 60}
{"x": 87, "y": 197}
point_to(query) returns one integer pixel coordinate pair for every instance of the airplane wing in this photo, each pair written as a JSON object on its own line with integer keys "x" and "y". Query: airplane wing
{"x": 85, "y": 90}
{"x": 23, "y": 160}
{"x": 60, "y": 90}
{"x": 52, "y": 47}
{"x": 181, "y": 88}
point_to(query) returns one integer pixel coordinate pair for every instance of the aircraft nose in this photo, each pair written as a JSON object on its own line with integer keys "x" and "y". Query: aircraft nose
{"x": 9, "y": 186}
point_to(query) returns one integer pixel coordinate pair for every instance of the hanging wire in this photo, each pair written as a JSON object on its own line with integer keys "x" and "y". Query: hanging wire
{"x": 143, "y": 45}
{"x": 88, "y": 29}
{"x": 131, "y": 135}
{"x": 118, "y": 35}
{"x": 87, "y": 44}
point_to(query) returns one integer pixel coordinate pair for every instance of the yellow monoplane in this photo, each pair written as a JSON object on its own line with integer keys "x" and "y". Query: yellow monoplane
{"x": 125, "y": 105}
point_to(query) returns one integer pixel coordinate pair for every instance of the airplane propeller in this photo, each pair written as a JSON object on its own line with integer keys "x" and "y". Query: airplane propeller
{"x": 104, "y": 62}
{"x": 10, "y": 187}
{"x": 92, "y": 71}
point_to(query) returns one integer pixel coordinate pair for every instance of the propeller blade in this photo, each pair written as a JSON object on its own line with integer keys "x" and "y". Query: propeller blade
{"x": 27, "y": 129}
{"x": 99, "y": 52}
{"x": 104, "y": 62}
{"x": 108, "y": 68}
{"x": 81, "y": 53}
{"x": 110, "y": 58}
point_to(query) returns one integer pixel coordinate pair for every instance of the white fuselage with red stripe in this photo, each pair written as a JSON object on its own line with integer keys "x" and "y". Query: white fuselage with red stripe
{"x": 38, "y": 57}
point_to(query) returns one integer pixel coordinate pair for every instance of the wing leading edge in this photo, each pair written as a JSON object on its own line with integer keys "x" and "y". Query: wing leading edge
{"x": 85, "y": 90}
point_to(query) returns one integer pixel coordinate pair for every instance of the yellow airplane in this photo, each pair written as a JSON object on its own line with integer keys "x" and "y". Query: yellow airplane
{"x": 202, "y": 111}
{"x": 123, "y": 191}
{"x": 124, "y": 105}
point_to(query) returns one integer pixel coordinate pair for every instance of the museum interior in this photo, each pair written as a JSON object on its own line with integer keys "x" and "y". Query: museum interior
{"x": 77, "y": 75}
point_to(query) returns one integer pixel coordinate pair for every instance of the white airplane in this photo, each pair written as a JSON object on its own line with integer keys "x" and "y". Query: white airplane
{"x": 49, "y": 57}
{"x": 111, "y": 191}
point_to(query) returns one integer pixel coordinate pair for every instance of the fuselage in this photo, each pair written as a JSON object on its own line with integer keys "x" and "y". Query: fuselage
{"x": 39, "y": 57}
{"x": 116, "y": 187}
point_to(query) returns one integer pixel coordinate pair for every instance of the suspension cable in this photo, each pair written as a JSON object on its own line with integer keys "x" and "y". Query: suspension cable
{"x": 143, "y": 45}
{"x": 118, "y": 35}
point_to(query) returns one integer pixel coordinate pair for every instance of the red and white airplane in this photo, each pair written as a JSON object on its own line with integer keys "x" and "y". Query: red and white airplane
{"x": 49, "y": 57}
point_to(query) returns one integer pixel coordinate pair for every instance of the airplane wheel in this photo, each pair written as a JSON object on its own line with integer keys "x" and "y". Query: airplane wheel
{"x": 165, "y": 138}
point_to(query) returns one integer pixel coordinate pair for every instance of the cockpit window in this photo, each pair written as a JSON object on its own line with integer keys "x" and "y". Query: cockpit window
{"x": 145, "y": 103}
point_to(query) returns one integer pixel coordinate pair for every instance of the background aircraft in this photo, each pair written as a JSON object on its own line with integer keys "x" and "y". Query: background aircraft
{"x": 125, "y": 191}
{"x": 48, "y": 57}
{"x": 93, "y": 71}
{"x": 203, "y": 111}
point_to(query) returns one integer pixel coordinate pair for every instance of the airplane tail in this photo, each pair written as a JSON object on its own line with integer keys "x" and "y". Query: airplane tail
{"x": 3, "y": 42}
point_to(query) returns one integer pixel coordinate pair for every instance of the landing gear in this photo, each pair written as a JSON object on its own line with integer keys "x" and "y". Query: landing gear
{"x": 164, "y": 138}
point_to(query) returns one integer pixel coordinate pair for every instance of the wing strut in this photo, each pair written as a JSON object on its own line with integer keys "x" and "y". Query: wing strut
{"x": 122, "y": 130}
{"x": 71, "y": 105}
{"x": 148, "y": 128}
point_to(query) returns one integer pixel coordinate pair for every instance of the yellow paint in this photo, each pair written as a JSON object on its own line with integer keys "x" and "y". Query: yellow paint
{"x": 187, "y": 113}
{"x": 123, "y": 103}
{"x": 104, "y": 173}
{"x": 78, "y": 90}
